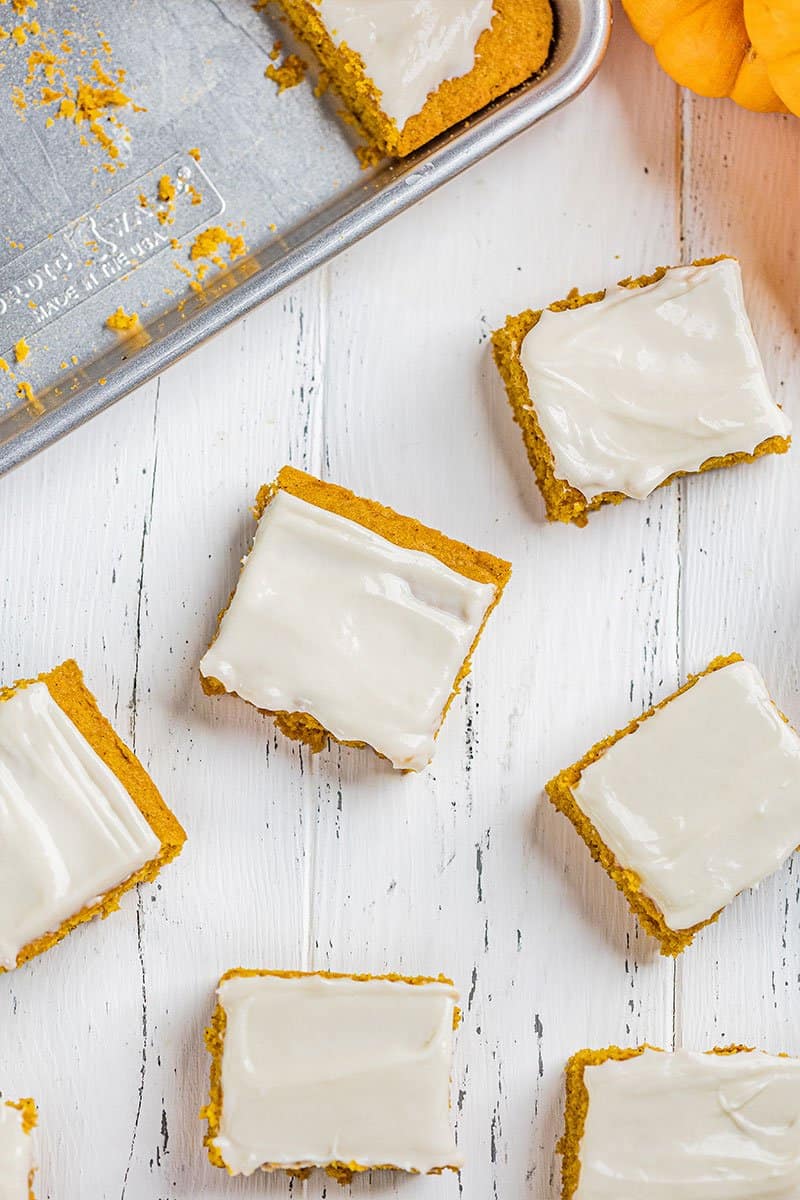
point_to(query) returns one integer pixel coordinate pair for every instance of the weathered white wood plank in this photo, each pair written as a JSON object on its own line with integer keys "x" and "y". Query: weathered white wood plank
{"x": 71, "y": 1021}
{"x": 741, "y": 574}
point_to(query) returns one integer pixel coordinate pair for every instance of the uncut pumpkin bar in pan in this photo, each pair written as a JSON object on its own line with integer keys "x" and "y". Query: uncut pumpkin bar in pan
{"x": 409, "y": 71}
{"x": 347, "y": 1073}
{"x": 691, "y": 803}
{"x": 81, "y": 822}
{"x": 619, "y": 392}
{"x": 350, "y": 621}
{"x": 647, "y": 1124}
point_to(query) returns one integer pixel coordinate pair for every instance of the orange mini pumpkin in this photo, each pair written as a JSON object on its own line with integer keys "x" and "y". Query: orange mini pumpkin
{"x": 746, "y": 49}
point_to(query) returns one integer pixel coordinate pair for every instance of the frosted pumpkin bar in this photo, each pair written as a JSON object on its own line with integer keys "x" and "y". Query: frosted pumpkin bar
{"x": 409, "y": 71}
{"x": 643, "y": 1124}
{"x": 17, "y": 1167}
{"x": 621, "y": 391}
{"x": 696, "y": 800}
{"x": 349, "y": 1073}
{"x": 81, "y": 822}
{"x": 351, "y": 622}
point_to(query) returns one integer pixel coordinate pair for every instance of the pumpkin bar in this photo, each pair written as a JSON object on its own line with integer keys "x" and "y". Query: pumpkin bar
{"x": 81, "y": 822}
{"x": 348, "y": 1073}
{"x": 408, "y": 72}
{"x": 17, "y": 1167}
{"x": 620, "y": 392}
{"x": 351, "y": 622}
{"x": 694, "y": 801}
{"x": 644, "y": 1123}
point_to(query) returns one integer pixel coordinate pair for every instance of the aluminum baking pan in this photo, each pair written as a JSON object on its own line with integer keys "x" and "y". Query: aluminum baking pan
{"x": 279, "y": 169}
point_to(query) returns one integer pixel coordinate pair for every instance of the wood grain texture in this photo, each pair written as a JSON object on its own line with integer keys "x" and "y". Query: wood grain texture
{"x": 121, "y": 544}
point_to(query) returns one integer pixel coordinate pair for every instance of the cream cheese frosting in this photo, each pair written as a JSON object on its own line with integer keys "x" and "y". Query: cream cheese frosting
{"x": 409, "y": 47}
{"x": 318, "y": 1070}
{"x": 703, "y": 799}
{"x": 16, "y": 1154}
{"x": 330, "y": 619}
{"x": 69, "y": 831}
{"x": 698, "y": 1126}
{"x": 650, "y": 381}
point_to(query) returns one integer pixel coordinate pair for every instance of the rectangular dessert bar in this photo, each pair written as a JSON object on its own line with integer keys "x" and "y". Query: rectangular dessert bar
{"x": 18, "y": 1119}
{"x": 351, "y": 622}
{"x": 408, "y": 72}
{"x": 618, "y": 393}
{"x": 347, "y": 1073}
{"x": 81, "y": 822}
{"x": 691, "y": 803}
{"x": 644, "y": 1124}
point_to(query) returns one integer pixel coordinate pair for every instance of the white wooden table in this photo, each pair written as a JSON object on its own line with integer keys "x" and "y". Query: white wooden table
{"x": 120, "y": 545}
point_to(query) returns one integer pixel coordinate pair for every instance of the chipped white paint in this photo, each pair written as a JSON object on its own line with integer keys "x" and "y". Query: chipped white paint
{"x": 120, "y": 545}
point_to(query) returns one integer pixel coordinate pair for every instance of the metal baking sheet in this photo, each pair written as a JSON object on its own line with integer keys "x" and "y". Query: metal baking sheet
{"x": 80, "y": 233}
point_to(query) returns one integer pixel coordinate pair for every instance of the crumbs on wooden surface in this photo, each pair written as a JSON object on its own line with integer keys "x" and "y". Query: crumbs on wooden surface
{"x": 72, "y": 76}
{"x": 21, "y": 350}
{"x": 289, "y": 73}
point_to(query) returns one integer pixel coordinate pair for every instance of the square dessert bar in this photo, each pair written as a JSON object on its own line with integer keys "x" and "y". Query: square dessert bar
{"x": 620, "y": 392}
{"x": 348, "y": 1073}
{"x": 17, "y": 1167}
{"x": 643, "y": 1123}
{"x": 409, "y": 71}
{"x": 694, "y": 801}
{"x": 351, "y": 622}
{"x": 81, "y": 822}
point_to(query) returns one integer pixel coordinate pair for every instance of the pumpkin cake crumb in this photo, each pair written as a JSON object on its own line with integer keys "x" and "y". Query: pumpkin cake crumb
{"x": 289, "y": 73}
{"x": 122, "y": 322}
{"x": 25, "y": 392}
{"x": 21, "y": 350}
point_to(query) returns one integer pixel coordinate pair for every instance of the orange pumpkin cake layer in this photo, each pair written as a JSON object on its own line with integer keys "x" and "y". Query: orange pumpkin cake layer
{"x": 409, "y": 72}
{"x": 78, "y": 808}
{"x": 350, "y": 621}
{"x": 691, "y": 803}
{"x": 618, "y": 393}
{"x": 347, "y": 1073}
{"x": 722, "y": 1124}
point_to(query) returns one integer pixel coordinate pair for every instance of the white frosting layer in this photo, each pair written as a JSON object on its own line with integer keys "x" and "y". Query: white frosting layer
{"x": 409, "y": 47}
{"x": 332, "y": 620}
{"x": 317, "y": 1070}
{"x": 16, "y": 1155}
{"x": 694, "y": 1126}
{"x": 703, "y": 799}
{"x": 69, "y": 831}
{"x": 650, "y": 381}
